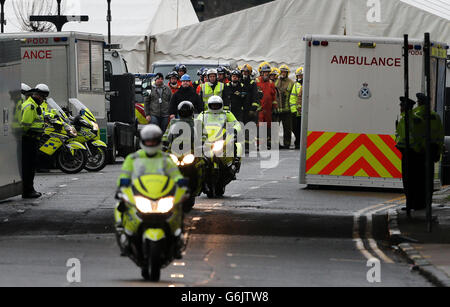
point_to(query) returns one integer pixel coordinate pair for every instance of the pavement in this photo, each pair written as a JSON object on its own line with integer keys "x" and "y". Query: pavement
{"x": 427, "y": 252}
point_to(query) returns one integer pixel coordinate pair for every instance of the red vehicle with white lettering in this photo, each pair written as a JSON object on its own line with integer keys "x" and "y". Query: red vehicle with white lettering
{"x": 351, "y": 93}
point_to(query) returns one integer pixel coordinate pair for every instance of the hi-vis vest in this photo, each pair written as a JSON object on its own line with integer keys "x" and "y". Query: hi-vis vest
{"x": 296, "y": 105}
{"x": 31, "y": 120}
{"x": 208, "y": 92}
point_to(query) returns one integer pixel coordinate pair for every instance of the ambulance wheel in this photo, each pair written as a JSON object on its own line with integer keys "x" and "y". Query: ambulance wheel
{"x": 71, "y": 164}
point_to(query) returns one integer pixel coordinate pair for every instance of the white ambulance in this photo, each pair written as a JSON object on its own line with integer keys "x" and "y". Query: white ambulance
{"x": 351, "y": 103}
{"x": 72, "y": 65}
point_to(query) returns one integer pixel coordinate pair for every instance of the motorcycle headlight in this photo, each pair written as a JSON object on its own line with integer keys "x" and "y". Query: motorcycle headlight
{"x": 144, "y": 205}
{"x": 71, "y": 131}
{"x": 95, "y": 126}
{"x": 189, "y": 159}
{"x": 165, "y": 204}
{"x": 175, "y": 159}
{"x": 218, "y": 146}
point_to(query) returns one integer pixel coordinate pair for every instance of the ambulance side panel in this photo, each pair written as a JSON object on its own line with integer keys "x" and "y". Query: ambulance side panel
{"x": 351, "y": 104}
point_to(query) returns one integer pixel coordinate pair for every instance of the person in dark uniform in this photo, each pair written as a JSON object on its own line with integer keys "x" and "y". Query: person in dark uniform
{"x": 234, "y": 96}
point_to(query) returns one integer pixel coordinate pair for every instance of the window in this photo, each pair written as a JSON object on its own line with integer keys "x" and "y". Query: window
{"x": 90, "y": 66}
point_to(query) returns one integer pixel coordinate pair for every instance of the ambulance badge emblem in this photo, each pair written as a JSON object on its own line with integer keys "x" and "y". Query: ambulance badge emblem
{"x": 365, "y": 92}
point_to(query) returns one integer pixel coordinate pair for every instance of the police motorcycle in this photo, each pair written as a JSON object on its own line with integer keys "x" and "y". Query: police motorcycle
{"x": 58, "y": 145}
{"x": 174, "y": 142}
{"x": 222, "y": 152}
{"x": 89, "y": 135}
{"x": 149, "y": 221}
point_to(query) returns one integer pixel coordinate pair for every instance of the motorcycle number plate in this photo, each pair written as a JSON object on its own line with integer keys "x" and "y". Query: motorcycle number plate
{"x": 52, "y": 145}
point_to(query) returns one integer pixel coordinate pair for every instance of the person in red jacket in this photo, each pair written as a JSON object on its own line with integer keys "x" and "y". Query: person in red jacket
{"x": 268, "y": 101}
{"x": 174, "y": 81}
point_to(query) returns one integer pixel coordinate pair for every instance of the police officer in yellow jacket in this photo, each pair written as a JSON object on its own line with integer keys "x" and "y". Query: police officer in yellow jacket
{"x": 212, "y": 87}
{"x": 151, "y": 160}
{"x": 414, "y": 169}
{"x": 296, "y": 100}
{"x": 32, "y": 123}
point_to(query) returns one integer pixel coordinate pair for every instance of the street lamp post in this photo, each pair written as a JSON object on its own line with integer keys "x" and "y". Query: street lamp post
{"x": 60, "y": 20}
{"x": 109, "y": 19}
{"x": 2, "y": 16}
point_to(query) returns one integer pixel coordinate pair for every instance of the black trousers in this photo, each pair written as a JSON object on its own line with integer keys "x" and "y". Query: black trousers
{"x": 29, "y": 155}
{"x": 297, "y": 128}
{"x": 414, "y": 180}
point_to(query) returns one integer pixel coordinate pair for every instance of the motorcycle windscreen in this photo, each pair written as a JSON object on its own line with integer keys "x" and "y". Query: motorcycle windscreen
{"x": 154, "y": 186}
{"x": 53, "y": 106}
{"x": 81, "y": 109}
{"x": 51, "y": 146}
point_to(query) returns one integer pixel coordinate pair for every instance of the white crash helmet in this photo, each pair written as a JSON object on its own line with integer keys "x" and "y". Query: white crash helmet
{"x": 186, "y": 109}
{"x": 215, "y": 104}
{"x": 42, "y": 89}
{"x": 25, "y": 88}
{"x": 151, "y": 139}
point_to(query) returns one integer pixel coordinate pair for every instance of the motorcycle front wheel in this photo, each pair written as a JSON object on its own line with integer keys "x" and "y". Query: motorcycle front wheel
{"x": 153, "y": 270}
{"x": 71, "y": 164}
{"x": 97, "y": 161}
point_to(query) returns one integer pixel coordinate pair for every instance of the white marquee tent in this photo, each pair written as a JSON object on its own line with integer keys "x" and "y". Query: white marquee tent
{"x": 133, "y": 21}
{"x": 273, "y": 32}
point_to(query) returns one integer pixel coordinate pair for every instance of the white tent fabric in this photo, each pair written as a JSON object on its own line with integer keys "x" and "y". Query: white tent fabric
{"x": 133, "y": 21}
{"x": 273, "y": 32}
{"x": 396, "y": 18}
{"x": 268, "y": 32}
{"x": 440, "y": 8}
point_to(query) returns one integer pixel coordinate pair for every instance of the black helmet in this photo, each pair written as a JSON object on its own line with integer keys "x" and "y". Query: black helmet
{"x": 172, "y": 74}
{"x": 236, "y": 73}
{"x": 186, "y": 109}
{"x": 221, "y": 70}
{"x": 180, "y": 67}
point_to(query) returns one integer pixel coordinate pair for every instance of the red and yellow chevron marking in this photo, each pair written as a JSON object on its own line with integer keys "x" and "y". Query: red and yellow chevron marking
{"x": 140, "y": 113}
{"x": 349, "y": 154}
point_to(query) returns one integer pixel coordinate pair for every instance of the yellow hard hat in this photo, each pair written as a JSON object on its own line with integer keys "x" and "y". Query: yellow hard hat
{"x": 285, "y": 68}
{"x": 299, "y": 71}
{"x": 262, "y": 65}
{"x": 265, "y": 68}
{"x": 275, "y": 71}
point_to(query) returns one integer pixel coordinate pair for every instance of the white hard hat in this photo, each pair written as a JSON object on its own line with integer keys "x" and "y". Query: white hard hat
{"x": 215, "y": 104}
{"x": 212, "y": 71}
{"x": 42, "y": 88}
{"x": 151, "y": 137}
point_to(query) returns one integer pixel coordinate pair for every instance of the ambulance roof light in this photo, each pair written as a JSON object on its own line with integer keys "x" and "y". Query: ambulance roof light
{"x": 316, "y": 43}
{"x": 418, "y": 47}
{"x": 324, "y": 43}
{"x": 367, "y": 45}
